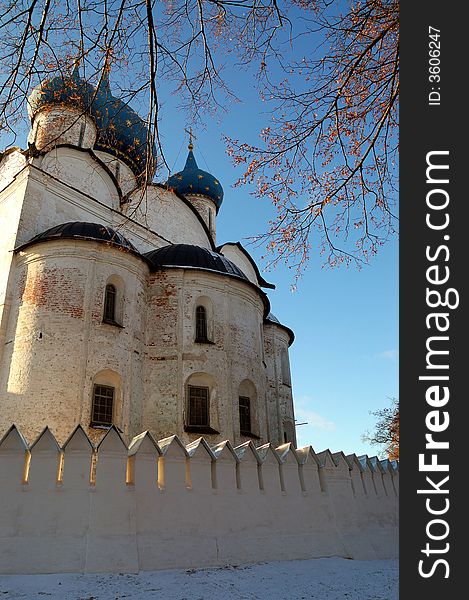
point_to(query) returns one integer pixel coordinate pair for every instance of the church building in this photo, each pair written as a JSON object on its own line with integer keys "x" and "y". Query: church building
{"x": 118, "y": 305}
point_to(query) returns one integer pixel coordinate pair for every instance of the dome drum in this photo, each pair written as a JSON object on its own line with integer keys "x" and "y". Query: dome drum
{"x": 62, "y": 125}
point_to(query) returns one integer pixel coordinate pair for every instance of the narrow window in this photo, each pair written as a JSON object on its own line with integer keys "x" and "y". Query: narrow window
{"x": 286, "y": 380}
{"x": 201, "y": 324}
{"x": 103, "y": 403}
{"x": 198, "y": 406}
{"x": 81, "y": 135}
{"x": 118, "y": 170}
{"x": 244, "y": 414}
{"x": 109, "y": 315}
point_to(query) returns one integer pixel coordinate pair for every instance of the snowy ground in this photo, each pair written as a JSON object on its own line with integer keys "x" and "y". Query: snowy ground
{"x": 320, "y": 579}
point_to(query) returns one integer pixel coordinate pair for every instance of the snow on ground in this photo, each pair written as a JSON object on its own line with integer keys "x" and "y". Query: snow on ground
{"x": 319, "y": 579}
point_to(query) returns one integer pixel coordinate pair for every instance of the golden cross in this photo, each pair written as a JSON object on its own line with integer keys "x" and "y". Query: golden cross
{"x": 191, "y": 136}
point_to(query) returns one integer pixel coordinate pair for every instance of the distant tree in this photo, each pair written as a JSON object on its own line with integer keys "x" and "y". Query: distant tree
{"x": 386, "y": 432}
{"x": 328, "y": 71}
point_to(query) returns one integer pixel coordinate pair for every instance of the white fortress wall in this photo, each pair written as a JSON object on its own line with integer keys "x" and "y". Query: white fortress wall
{"x": 161, "y": 504}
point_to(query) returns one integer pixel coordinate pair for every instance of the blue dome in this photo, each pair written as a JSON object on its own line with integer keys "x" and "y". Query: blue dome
{"x": 61, "y": 90}
{"x": 121, "y": 132}
{"x": 192, "y": 180}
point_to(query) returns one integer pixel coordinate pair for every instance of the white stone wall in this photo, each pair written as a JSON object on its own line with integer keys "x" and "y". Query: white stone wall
{"x": 235, "y": 318}
{"x": 11, "y": 164}
{"x": 162, "y": 505}
{"x": 207, "y": 210}
{"x": 10, "y": 213}
{"x": 279, "y": 387}
{"x": 123, "y": 174}
{"x": 82, "y": 172}
{"x": 162, "y": 211}
{"x": 44, "y": 201}
{"x": 56, "y": 341}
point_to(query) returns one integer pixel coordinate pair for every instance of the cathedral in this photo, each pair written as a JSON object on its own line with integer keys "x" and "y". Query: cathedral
{"x": 118, "y": 305}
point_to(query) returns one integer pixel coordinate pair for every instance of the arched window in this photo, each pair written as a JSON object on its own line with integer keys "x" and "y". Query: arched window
{"x": 244, "y": 414}
{"x": 201, "y": 413}
{"x": 106, "y": 399}
{"x": 199, "y": 409}
{"x": 248, "y": 409}
{"x": 109, "y": 314}
{"x": 103, "y": 405}
{"x": 201, "y": 324}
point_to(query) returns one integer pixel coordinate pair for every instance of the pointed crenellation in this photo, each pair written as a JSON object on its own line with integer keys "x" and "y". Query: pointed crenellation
{"x": 46, "y": 460}
{"x": 144, "y": 443}
{"x": 249, "y": 461}
{"x": 270, "y": 474}
{"x": 78, "y": 452}
{"x": 169, "y": 465}
{"x": 112, "y": 442}
{"x": 225, "y": 474}
{"x": 201, "y": 465}
{"x": 112, "y": 458}
{"x": 291, "y": 468}
{"x": 326, "y": 468}
{"x": 173, "y": 467}
{"x": 377, "y": 473}
{"x": 14, "y": 458}
{"x": 394, "y": 472}
{"x": 387, "y": 471}
{"x": 13, "y": 440}
{"x": 78, "y": 441}
{"x": 310, "y": 470}
{"x": 367, "y": 474}
{"x": 142, "y": 466}
{"x": 341, "y": 463}
{"x": 356, "y": 475}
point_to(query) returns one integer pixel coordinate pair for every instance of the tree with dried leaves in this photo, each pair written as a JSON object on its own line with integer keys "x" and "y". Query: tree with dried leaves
{"x": 386, "y": 433}
{"x": 327, "y": 70}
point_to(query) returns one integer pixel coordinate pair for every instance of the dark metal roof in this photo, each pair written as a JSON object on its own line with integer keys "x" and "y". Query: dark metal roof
{"x": 260, "y": 279}
{"x": 271, "y": 318}
{"x": 186, "y": 255}
{"x": 82, "y": 231}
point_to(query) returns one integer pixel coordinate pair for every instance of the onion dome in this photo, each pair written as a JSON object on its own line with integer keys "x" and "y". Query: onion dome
{"x": 62, "y": 90}
{"x": 193, "y": 181}
{"x": 195, "y": 257}
{"x": 121, "y": 132}
{"x": 83, "y": 231}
